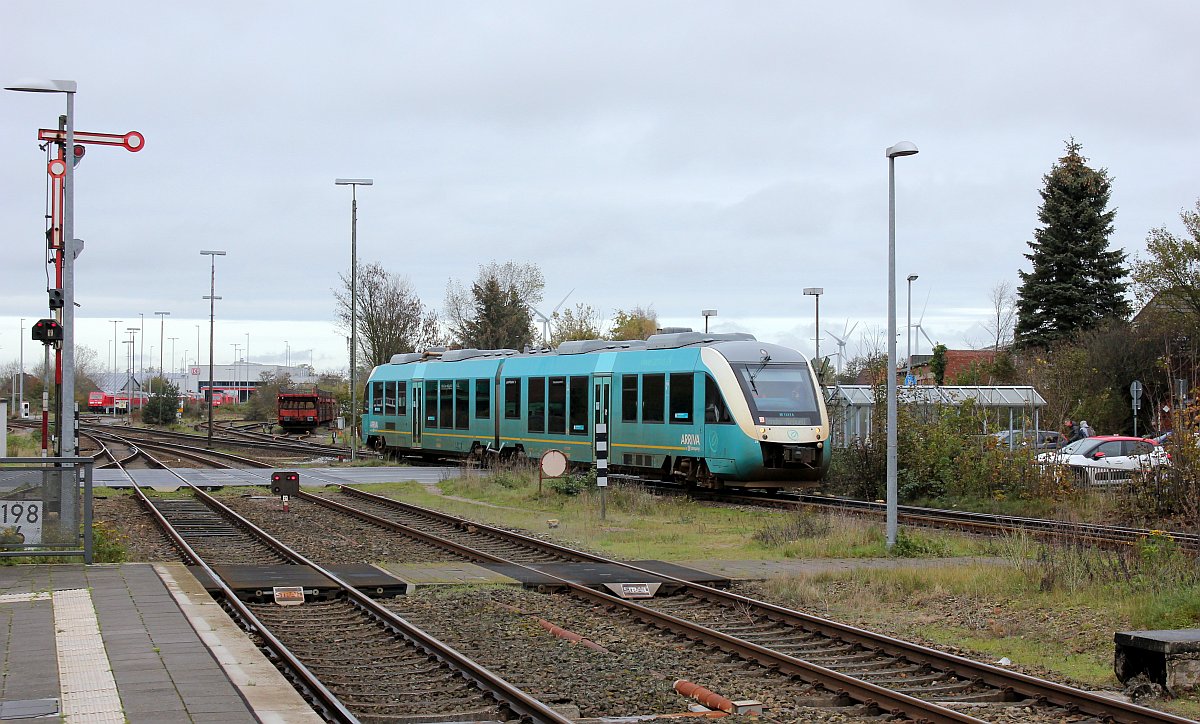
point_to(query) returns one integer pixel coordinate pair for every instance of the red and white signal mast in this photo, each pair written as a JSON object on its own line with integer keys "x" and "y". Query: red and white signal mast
{"x": 63, "y": 245}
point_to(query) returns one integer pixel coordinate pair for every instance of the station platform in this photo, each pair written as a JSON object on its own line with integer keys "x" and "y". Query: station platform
{"x": 132, "y": 642}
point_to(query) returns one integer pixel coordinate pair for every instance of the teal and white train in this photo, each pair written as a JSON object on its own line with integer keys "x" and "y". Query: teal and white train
{"x": 712, "y": 410}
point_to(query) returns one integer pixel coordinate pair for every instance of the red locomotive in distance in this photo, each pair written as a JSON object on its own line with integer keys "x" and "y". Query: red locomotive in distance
{"x": 306, "y": 410}
{"x": 108, "y": 402}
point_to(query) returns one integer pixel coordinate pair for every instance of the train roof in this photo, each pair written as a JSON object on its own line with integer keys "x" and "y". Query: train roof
{"x": 736, "y": 347}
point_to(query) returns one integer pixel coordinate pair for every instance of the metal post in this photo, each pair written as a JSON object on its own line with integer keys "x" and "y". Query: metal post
{"x": 212, "y": 313}
{"x": 353, "y": 183}
{"x": 908, "y": 370}
{"x": 162, "y": 324}
{"x": 892, "y": 469}
{"x": 67, "y": 445}
{"x": 353, "y": 321}
{"x": 602, "y": 464}
{"x": 21, "y": 382}
{"x": 903, "y": 148}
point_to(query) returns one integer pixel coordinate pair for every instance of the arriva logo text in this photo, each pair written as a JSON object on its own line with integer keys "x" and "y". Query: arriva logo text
{"x": 690, "y": 440}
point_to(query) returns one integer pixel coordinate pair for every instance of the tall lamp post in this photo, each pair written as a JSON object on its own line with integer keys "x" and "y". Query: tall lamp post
{"x": 66, "y": 399}
{"x": 908, "y": 368}
{"x": 816, "y": 293}
{"x": 21, "y": 382}
{"x": 133, "y": 333}
{"x": 353, "y": 183}
{"x": 162, "y": 323}
{"x": 903, "y": 148}
{"x": 212, "y": 313}
{"x": 707, "y": 313}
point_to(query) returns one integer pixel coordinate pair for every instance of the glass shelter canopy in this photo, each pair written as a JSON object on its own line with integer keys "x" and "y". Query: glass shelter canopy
{"x": 852, "y": 407}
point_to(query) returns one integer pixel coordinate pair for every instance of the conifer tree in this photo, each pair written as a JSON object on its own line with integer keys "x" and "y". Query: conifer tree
{"x": 1077, "y": 280}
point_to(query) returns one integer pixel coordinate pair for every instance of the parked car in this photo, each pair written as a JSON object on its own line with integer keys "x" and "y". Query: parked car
{"x": 1107, "y": 458}
{"x": 1037, "y": 439}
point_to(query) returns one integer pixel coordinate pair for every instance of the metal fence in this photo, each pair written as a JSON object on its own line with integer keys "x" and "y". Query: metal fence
{"x": 46, "y": 507}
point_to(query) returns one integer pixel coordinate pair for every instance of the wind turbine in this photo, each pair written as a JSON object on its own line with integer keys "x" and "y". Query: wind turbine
{"x": 841, "y": 343}
{"x": 546, "y": 320}
{"x": 920, "y": 329}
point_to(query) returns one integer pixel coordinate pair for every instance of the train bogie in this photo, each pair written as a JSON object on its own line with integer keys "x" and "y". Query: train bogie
{"x": 712, "y": 410}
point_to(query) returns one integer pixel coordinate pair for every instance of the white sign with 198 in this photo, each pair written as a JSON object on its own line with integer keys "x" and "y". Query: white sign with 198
{"x": 22, "y": 520}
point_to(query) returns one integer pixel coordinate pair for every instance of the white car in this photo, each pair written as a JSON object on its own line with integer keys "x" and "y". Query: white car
{"x": 1107, "y": 459}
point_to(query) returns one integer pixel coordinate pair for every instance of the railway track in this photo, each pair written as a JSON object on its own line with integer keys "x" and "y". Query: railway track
{"x": 348, "y": 654}
{"x": 891, "y": 675}
{"x": 978, "y": 523}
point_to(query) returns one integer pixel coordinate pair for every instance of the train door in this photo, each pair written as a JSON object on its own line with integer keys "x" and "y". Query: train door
{"x": 601, "y": 385}
{"x": 418, "y": 414}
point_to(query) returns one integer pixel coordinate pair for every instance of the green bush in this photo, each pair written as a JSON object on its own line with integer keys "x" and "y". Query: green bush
{"x": 806, "y": 523}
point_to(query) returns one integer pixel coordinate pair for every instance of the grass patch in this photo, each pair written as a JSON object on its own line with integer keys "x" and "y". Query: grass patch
{"x": 1049, "y": 607}
{"x": 641, "y": 523}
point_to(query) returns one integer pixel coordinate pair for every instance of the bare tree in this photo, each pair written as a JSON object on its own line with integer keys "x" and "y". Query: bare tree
{"x": 391, "y": 317}
{"x": 1003, "y": 316}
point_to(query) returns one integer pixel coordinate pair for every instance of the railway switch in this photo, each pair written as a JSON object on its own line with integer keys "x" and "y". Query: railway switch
{"x": 285, "y": 483}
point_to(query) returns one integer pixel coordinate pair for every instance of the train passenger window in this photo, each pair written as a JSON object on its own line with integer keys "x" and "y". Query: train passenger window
{"x": 462, "y": 401}
{"x": 536, "y": 407}
{"x": 483, "y": 399}
{"x": 654, "y": 391}
{"x": 556, "y": 406}
{"x": 629, "y": 398}
{"x": 715, "y": 409}
{"x": 512, "y": 399}
{"x": 402, "y": 398}
{"x": 377, "y": 398}
{"x": 389, "y": 398}
{"x": 446, "y": 404}
{"x": 431, "y": 405}
{"x": 579, "y": 406}
{"x": 682, "y": 397}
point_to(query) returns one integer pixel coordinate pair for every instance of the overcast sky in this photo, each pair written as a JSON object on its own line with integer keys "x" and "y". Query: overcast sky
{"x": 684, "y": 155}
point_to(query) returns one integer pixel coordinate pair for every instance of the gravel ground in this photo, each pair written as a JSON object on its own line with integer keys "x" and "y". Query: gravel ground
{"x": 637, "y": 674}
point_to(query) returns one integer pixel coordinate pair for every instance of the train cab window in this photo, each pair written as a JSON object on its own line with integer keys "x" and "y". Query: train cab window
{"x": 512, "y": 399}
{"x": 389, "y": 398}
{"x": 402, "y": 398}
{"x": 377, "y": 398}
{"x": 654, "y": 391}
{"x": 715, "y": 409}
{"x": 431, "y": 405}
{"x": 446, "y": 404}
{"x": 536, "y": 407}
{"x": 462, "y": 402}
{"x": 682, "y": 397}
{"x": 578, "y": 394}
{"x": 629, "y": 398}
{"x": 483, "y": 399}
{"x": 556, "y": 406}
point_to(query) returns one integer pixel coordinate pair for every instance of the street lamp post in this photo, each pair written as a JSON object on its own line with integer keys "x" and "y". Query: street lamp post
{"x": 212, "y": 313}
{"x": 353, "y": 183}
{"x": 133, "y": 332}
{"x": 908, "y": 368}
{"x": 70, "y": 248}
{"x": 816, "y": 293}
{"x": 707, "y": 313}
{"x": 903, "y": 148}
{"x": 142, "y": 350}
{"x": 21, "y": 382}
{"x": 162, "y": 323}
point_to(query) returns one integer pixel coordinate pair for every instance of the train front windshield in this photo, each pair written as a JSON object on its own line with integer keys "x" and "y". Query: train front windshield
{"x": 779, "y": 394}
